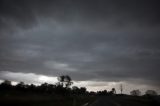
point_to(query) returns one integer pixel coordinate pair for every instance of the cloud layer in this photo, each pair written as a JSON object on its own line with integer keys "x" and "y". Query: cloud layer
{"x": 92, "y": 40}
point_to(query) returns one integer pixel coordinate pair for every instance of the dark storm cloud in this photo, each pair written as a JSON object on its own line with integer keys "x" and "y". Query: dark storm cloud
{"x": 109, "y": 40}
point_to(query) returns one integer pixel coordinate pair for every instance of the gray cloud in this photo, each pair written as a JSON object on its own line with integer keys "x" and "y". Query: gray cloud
{"x": 89, "y": 40}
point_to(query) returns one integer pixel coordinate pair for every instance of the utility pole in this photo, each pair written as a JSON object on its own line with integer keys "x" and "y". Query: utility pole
{"x": 121, "y": 88}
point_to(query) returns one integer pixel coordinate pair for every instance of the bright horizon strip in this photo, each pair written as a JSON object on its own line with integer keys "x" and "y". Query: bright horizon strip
{"x": 37, "y": 79}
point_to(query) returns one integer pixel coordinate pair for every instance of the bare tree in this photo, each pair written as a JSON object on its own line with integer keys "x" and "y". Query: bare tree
{"x": 65, "y": 80}
{"x": 61, "y": 80}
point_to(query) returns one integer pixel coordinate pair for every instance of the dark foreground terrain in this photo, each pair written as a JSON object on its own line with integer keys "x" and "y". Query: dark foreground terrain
{"x": 45, "y": 100}
{"x": 58, "y": 95}
{"x": 126, "y": 101}
{"x": 39, "y": 100}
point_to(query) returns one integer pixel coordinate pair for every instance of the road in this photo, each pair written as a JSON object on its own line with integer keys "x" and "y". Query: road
{"x": 105, "y": 101}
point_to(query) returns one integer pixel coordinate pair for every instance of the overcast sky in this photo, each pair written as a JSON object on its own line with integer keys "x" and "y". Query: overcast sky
{"x": 100, "y": 41}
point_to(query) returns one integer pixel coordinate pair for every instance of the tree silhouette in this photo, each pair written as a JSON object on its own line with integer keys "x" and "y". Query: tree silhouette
{"x": 6, "y": 82}
{"x": 113, "y": 91}
{"x": 135, "y": 92}
{"x": 104, "y": 92}
{"x": 65, "y": 81}
{"x": 61, "y": 80}
{"x": 151, "y": 93}
{"x": 79, "y": 91}
{"x": 6, "y": 85}
{"x": 83, "y": 90}
{"x": 21, "y": 86}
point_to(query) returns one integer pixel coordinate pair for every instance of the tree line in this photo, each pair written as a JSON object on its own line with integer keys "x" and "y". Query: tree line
{"x": 62, "y": 87}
